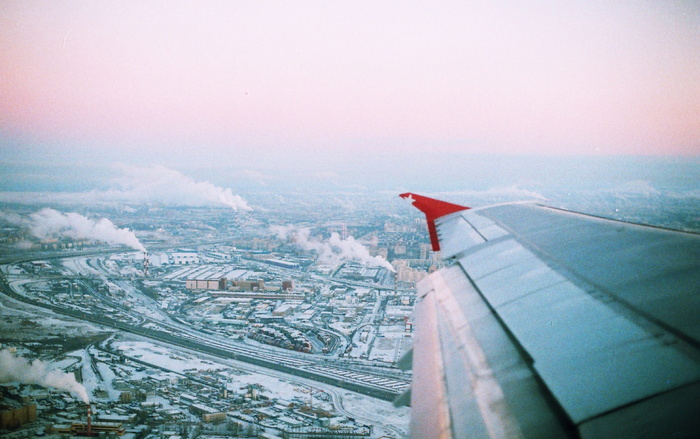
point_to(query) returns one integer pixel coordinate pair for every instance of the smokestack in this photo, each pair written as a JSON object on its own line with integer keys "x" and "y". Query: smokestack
{"x": 89, "y": 421}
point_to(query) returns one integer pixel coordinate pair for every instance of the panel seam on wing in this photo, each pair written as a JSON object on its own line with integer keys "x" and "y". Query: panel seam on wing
{"x": 487, "y": 391}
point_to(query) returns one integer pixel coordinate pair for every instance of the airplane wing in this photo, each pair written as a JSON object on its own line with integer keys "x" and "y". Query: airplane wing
{"x": 547, "y": 323}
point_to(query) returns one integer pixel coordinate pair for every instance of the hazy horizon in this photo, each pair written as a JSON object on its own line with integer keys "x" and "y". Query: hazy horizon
{"x": 101, "y": 101}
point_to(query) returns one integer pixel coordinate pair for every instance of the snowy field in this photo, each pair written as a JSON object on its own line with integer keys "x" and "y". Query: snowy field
{"x": 381, "y": 414}
{"x": 164, "y": 357}
{"x": 390, "y": 344}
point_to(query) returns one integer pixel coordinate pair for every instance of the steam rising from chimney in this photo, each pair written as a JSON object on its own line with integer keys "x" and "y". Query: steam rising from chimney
{"x": 50, "y": 223}
{"x": 334, "y": 250}
{"x": 14, "y": 368}
{"x": 160, "y": 184}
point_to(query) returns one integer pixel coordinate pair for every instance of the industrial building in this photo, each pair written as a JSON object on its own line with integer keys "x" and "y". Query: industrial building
{"x": 211, "y": 278}
{"x": 281, "y": 263}
{"x": 254, "y": 295}
{"x": 183, "y": 257}
{"x": 216, "y": 283}
{"x": 15, "y": 417}
{"x": 90, "y": 429}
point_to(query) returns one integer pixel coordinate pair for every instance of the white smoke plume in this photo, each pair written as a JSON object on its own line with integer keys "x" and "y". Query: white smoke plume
{"x": 50, "y": 223}
{"x": 14, "y": 368}
{"x": 333, "y": 250}
{"x": 141, "y": 185}
{"x": 163, "y": 185}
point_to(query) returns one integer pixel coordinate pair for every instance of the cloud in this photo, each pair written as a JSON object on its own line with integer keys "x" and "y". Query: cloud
{"x": 50, "y": 223}
{"x": 14, "y": 368}
{"x": 333, "y": 250}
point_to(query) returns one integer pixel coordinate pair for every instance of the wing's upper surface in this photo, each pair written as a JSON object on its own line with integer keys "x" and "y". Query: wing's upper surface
{"x": 550, "y": 323}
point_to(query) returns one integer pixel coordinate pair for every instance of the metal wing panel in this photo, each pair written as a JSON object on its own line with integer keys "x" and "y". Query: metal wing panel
{"x": 600, "y": 317}
{"x": 581, "y": 347}
{"x": 457, "y": 235}
{"x": 486, "y": 227}
{"x": 653, "y": 270}
{"x": 485, "y": 383}
{"x": 566, "y": 331}
{"x": 672, "y": 415}
{"x": 494, "y": 258}
{"x": 517, "y": 280}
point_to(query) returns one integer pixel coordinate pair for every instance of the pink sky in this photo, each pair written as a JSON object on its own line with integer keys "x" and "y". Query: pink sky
{"x": 594, "y": 77}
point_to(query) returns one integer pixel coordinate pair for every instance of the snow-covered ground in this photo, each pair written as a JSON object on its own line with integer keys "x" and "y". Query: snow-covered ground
{"x": 381, "y": 414}
{"x": 274, "y": 385}
{"x": 391, "y": 343}
{"x": 162, "y": 356}
{"x": 182, "y": 362}
{"x": 362, "y": 408}
{"x": 91, "y": 381}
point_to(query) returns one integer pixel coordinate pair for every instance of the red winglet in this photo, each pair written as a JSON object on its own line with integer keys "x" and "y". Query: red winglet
{"x": 433, "y": 209}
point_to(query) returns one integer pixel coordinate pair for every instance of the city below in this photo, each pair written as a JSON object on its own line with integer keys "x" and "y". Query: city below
{"x": 153, "y": 321}
{"x": 233, "y": 327}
